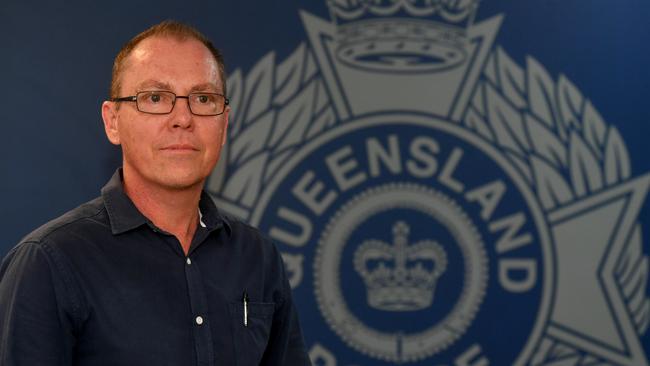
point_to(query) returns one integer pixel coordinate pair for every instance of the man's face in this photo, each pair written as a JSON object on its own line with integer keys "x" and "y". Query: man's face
{"x": 176, "y": 150}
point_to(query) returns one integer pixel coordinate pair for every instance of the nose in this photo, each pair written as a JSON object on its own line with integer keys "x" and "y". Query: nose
{"x": 182, "y": 116}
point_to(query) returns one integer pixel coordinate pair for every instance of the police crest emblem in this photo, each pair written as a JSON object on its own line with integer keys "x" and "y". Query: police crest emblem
{"x": 435, "y": 202}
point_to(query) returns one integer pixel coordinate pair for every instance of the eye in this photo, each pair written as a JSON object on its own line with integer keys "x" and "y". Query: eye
{"x": 154, "y": 97}
{"x": 202, "y": 98}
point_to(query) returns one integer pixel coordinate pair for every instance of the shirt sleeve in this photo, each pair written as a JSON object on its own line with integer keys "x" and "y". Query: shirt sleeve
{"x": 286, "y": 345}
{"x": 37, "y": 310}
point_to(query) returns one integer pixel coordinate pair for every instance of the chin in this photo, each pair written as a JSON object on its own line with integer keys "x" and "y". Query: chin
{"x": 181, "y": 181}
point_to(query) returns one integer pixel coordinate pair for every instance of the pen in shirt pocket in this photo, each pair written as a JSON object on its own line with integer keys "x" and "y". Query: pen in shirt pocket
{"x": 245, "y": 301}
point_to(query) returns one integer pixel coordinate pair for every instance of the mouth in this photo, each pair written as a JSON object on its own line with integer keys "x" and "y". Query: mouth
{"x": 180, "y": 148}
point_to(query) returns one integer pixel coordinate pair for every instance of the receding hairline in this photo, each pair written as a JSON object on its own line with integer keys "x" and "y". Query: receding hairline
{"x": 127, "y": 61}
{"x": 168, "y": 29}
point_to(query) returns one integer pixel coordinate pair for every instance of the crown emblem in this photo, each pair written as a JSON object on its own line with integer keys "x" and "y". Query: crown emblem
{"x": 402, "y": 35}
{"x": 401, "y": 276}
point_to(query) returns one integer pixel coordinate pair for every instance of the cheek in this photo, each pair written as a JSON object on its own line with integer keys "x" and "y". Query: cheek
{"x": 212, "y": 133}
{"x": 221, "y": 137}
{"x": 213, "y": 141}
{"x": 136, "y": 137}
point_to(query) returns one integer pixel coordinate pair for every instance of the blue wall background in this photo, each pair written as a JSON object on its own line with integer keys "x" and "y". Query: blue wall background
{"x": 56, "y": 61}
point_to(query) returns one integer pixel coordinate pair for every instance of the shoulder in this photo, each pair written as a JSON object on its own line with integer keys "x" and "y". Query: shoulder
{"x": 36, "y": 273}
{"x": 87, "y": 217}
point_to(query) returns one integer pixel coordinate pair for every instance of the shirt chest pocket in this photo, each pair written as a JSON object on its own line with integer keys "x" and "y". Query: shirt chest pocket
{"x": 250, "y": 339}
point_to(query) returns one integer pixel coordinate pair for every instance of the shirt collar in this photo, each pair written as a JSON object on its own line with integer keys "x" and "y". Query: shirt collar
{"x": 210, "y": 215}
{"x": 124, "y": 216}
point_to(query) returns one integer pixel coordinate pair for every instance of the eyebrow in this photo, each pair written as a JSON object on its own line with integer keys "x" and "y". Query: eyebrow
{"x": 154, "y": 84}
{"x": 151, "y": 83}
{"x": 209, "y": 87}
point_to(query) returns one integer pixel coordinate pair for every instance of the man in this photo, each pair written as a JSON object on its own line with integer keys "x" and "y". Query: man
{"x": 150, "y": 272}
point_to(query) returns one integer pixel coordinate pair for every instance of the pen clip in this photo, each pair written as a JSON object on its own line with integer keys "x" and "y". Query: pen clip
{"x": 245, "y": 301}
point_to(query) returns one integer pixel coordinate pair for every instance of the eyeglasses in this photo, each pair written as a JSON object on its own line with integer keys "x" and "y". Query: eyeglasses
{"x": 162, "y": 102}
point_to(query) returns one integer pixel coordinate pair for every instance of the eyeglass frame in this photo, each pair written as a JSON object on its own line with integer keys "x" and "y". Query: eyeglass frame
{"x": 134, "y": 98}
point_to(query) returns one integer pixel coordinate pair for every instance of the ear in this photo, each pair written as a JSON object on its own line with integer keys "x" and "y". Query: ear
{"x": 111, "y": 125}
{"x": 224, "y": 135}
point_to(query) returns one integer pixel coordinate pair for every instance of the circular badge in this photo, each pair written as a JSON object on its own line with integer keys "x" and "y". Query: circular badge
{"x": 410, "y": 253}
{"x": 402, "y": 275}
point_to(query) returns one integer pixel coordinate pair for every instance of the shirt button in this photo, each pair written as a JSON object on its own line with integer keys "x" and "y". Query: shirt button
{"x": 188, "y": 261}
{"x": 199, "y": 320}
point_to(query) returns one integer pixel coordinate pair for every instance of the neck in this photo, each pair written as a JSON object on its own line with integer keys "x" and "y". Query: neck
{"x": 173, "y": 210}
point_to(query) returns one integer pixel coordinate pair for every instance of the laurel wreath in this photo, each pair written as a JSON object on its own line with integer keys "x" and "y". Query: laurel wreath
{"x": 552, "y": 134}
{"x": 565, "y": 150}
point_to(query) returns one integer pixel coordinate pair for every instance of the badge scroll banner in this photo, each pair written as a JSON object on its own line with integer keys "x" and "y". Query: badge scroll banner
{"x": 436, "y": 202}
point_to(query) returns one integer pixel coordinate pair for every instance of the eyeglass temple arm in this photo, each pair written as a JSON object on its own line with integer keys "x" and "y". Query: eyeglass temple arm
{"x": 132, "y": 98}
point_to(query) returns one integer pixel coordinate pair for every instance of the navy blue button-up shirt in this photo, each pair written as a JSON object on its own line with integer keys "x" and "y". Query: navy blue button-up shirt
{"x": 102, "y": 285}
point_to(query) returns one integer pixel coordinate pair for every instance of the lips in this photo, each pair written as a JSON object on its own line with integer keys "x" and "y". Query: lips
{"x": 180, "y": 147}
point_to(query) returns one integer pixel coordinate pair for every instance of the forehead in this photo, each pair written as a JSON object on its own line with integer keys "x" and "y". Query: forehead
{"x": 181, "y": 64}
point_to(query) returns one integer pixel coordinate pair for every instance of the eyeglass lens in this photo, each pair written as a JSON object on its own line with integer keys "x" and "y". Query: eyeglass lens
{"x": 162, "y": 102}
